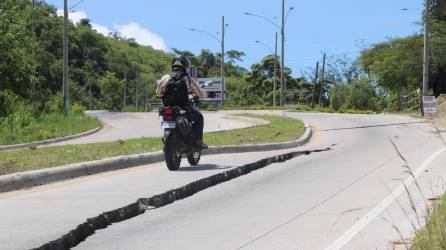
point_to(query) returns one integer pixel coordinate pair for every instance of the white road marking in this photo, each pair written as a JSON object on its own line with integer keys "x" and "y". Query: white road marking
{"x": 364, "y": 221}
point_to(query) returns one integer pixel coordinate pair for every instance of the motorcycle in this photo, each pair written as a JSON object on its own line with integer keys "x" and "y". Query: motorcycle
{"x": 177, "y": 139}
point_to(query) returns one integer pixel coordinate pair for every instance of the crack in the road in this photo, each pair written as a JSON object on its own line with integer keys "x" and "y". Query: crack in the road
{"x": 102, "y": 221}
{"x": 373, "y": 126}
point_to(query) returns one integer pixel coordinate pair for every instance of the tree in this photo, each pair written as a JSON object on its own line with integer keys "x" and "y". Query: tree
{"x": 359, "y": 94}
{"x": 16, "y": 48}
{"x": 111, "y": 89}
{"x": 234, "y": 56}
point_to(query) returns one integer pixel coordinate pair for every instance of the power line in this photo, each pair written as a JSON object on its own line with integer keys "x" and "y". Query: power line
{"x": 77, "y": 4}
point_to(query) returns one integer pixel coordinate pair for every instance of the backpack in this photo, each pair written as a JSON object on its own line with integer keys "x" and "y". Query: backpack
{"x": 176, "y": 93}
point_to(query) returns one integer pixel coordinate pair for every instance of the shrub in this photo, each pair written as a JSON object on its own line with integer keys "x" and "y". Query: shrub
{"x": 303, "y": 107}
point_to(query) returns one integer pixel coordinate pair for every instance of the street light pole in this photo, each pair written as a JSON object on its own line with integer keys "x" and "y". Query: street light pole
{"x": 275, "y": 73}
{"x": 282, "y": 67}
{"x": 315, "y": 84}
{"x": 275, "y": 67}
{"x": 282, "y": 31}
{"x": 322, "y": 82}
{"x": 65, "y": 60}
{"x": 222, "y": 60}
{"x": 426, "y": 54}
{"x": 137, "y": 80}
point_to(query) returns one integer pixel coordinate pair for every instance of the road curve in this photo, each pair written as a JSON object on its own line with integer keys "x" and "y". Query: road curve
{"x": 331, "y": 199}
{"x": 124, "y": 126}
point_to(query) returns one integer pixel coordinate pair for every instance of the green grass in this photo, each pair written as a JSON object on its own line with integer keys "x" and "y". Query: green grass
{"x": 280, "y": 129}
{"x": 47, "y": 126}
{"x": 433, "y": 235}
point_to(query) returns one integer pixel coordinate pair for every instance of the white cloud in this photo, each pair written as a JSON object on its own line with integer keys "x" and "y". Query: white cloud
{"x": 75, "y": 17}
{"x": 141, "y": 35}
{"x": 132, "y": 30}
{"x": 101, "y": 29}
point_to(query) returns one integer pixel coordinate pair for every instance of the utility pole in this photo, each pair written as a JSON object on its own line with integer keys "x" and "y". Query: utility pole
{"x": 33, "y": 28}
{"x": 125, "y": 87}
{"x": 90, "y": 100}
{"x": 275, "y": 73}
{"x": 282, "y": 67}
{"x": 65, "y": 60}
{"x": 315, "y": 84}
{"x": 321, "y": 91}
{"x": 34, "y": 16}
{"x": 145, "y": 97}
{"x": 426, "y": 54}
{"x": 137, "y": 81}
{"x": 222, "y": 60}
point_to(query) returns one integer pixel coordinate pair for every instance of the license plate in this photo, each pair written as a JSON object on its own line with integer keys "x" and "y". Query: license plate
{"x": 168, "y": 124}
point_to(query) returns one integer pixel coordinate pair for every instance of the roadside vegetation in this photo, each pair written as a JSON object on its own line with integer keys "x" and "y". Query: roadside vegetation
{"x": 280, "y": 129}
{"x": 301, "y": 107}
{"x": 21, "y": 123}
{"x": 107, "y": 64}
{"x": 433, "y": 235}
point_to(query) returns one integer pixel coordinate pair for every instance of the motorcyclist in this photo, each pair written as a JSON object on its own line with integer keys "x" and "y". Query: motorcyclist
{"x": 180, "y": 65}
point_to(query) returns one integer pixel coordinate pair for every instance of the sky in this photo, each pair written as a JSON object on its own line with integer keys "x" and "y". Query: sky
{"x": 336, "y": 27}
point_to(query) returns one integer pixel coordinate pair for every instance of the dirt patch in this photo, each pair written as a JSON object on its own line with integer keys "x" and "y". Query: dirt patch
{"x": 253, "y": 120}
{"x": 8, "y": 167}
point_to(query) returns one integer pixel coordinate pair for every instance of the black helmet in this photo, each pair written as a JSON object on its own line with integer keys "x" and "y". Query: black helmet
{"x": 180, "y": 62}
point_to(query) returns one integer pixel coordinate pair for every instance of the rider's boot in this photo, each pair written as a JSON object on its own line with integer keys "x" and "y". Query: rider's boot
{"x": 201, "y": 144}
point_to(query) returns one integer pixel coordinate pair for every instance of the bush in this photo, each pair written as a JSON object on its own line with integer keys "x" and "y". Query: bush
{"x": 356, "y": 111}
{"x": 323, "y": 109}
{"x": 303, "y": 107}
{"x": 19, "y": 122}
{"x": 17, "y": 118}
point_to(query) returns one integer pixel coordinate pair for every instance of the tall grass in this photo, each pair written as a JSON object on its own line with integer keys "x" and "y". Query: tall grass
{"x": 21, "y": 122}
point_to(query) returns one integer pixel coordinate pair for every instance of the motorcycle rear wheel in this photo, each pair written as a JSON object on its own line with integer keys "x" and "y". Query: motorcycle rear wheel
{"x": 171, "y": 154}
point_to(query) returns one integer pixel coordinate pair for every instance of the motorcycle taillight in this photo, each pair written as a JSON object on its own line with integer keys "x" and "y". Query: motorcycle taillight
{"x": 169, "y": 114}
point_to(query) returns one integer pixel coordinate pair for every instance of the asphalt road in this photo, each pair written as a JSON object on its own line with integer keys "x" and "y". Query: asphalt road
{"x": 124, "y": 126}
{"x": 343, "y": 198}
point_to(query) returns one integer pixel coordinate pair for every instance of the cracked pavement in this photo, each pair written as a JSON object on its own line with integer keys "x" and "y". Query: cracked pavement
{"x": 304, "y": 203}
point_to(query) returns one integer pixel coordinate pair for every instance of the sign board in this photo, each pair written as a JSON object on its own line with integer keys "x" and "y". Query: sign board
{"x": 213, "y": 87}
{"x": 429, "y": 105}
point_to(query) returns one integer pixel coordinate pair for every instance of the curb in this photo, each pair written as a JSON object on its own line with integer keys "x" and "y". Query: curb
{"x": 33, "y": 178}
{"x": 46, "y": 142}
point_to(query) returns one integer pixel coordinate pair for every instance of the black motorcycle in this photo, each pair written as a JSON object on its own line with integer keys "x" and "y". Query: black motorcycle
{"x": 178, "y": 141}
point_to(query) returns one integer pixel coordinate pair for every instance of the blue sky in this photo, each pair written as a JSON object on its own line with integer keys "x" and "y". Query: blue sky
{"x": 334, "y": 26}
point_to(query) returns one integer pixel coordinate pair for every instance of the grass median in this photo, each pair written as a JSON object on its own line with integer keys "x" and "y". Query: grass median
{"x": 280, "y": 129}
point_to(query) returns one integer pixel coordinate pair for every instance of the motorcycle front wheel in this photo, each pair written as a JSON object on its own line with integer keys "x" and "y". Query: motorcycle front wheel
{"x": 171, "y": 154}
{"x": 194, "y": 158}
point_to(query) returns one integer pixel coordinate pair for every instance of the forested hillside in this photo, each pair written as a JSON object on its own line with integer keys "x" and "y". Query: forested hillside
{"x": 31, "y": 67}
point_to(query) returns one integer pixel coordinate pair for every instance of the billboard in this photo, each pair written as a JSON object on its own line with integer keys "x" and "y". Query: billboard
{"x": 212, "y": 87}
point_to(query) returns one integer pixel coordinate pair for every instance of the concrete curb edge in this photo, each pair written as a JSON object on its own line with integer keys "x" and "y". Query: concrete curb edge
{"x": 46, "y": 142}
{"x": 16, "y": 181}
